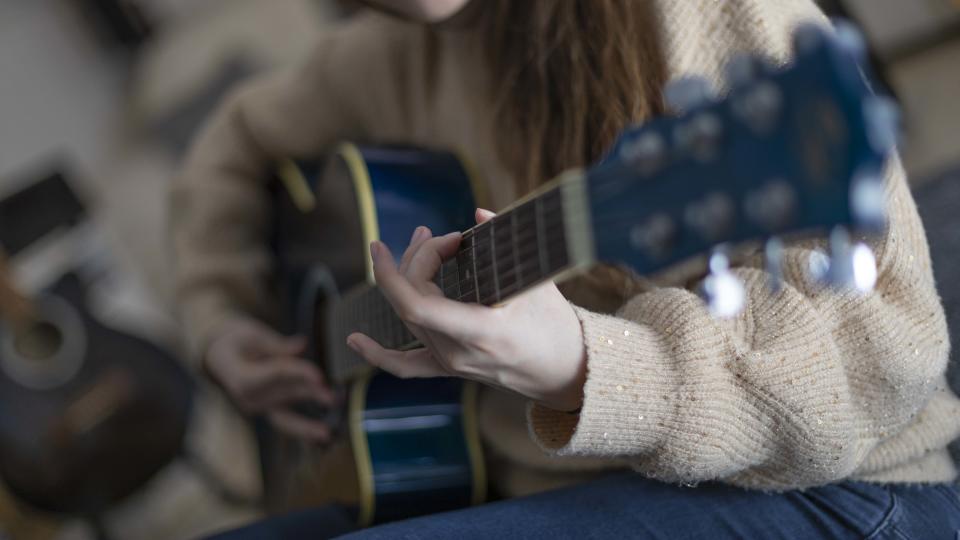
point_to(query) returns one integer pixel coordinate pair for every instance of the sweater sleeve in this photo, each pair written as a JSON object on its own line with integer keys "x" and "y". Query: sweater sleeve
{"x": 220, "y": 210}
{"x": 794, "y": 392}
{"x": 801, "y": 386}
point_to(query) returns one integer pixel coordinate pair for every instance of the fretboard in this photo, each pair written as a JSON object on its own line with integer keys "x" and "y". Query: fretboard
{"x": 500, "y": 258}
{"x": 508, "y": 254}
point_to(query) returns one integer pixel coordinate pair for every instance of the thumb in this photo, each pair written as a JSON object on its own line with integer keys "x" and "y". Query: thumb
{"x": 482, "y": 215}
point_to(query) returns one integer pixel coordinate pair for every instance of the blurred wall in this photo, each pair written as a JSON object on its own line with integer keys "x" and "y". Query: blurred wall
{"x": 58, "y": 91}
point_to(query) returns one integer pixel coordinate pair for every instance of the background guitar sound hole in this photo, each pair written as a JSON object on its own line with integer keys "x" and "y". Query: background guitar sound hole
{"x": 39, "y": 343}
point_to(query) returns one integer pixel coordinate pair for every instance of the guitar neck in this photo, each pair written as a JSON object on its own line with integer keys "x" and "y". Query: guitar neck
{"x": 517, "y": 249}
{"x": 536, "y": 239}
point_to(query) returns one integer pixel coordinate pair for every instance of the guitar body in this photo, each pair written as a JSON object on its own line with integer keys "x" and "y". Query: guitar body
{"x": 404, "y": 447}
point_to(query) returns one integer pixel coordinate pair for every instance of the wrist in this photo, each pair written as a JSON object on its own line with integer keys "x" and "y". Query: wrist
{"x": 569, "y": 396}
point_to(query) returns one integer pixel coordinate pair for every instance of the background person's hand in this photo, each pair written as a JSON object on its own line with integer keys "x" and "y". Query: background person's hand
{"x": 533, "y": 345}
{"x": 262, "y": 372}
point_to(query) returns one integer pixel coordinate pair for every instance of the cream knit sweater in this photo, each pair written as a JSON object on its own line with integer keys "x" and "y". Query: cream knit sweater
{"x": 806, "y": 387}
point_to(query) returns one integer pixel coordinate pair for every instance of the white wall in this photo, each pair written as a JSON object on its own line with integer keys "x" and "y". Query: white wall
{"x": 58, "y": 91}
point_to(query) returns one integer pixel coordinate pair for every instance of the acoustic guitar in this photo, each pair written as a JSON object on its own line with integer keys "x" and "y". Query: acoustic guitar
{"x": 788, "y": 151}
{"x": 88, "y": 413}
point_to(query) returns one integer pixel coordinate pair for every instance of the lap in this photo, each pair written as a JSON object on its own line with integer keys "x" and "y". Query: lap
{"x": 629, "y": 505}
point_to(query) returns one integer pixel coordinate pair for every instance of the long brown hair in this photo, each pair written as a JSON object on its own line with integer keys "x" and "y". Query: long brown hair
{"x": 566, "y": 77}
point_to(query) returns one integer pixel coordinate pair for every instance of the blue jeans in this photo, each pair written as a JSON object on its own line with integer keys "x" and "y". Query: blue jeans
{"x": 627, "y": 505}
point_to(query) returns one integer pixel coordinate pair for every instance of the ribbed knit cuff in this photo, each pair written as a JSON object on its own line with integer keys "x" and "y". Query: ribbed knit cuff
{"x": 624, "y": 397}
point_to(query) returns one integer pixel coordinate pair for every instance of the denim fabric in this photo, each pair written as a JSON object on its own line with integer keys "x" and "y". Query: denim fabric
{"x": 630, "y": 506}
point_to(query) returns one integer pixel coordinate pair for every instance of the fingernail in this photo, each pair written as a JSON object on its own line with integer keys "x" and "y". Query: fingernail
{"x": 416, "y": 234}
{"x": 352, "y": 344}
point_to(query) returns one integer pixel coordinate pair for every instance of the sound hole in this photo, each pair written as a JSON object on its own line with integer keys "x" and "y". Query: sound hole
{"x": 40, "y": 342}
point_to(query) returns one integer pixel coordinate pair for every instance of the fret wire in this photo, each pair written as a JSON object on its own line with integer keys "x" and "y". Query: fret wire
{"x": 523, "y": 254}
{"x": 441, "y": 277}
{"x": 458, "y": 276}
{"x": 488, "y": 301}
{"x": 513, "y": 235}
{"x": 476, "y": 283}
{"x": 468, "y": 292}
{"x": 493, "y": 260}
{"x": 540, "y": 234}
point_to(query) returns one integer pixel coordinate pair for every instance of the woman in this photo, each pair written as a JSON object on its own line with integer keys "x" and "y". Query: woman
{"x": 838, "y": 395}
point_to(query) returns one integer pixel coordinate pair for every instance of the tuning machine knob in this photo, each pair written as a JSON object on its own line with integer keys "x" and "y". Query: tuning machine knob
{"x": 773, "y": 263}
{"x": 722, "y": 291}
{"x": 656, "y": 236}
{"x": 850, "y": 39}
{"x": 850, "y": 266}
{"x": 868, "y": 202}
{"x": 687, "y": 93}
{"x": 711, "y": 217}
{"x": 743, "y": 69}
{"x": 701, "y": 136}
{"x": 773, "y": 206}
{"x": 882, "y": 117}
{"x": 647, "y": 153}
{"x": 759, "y": 106}
{"x": 807, "y": 38}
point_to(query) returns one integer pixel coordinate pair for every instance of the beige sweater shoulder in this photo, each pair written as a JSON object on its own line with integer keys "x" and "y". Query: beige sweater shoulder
{"x": 805, "y": 387}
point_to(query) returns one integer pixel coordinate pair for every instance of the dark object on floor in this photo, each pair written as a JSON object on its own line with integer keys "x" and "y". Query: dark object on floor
{"x": 86, "y": 418}
{"x": 939, "y": 204}
{"x": 88, "y": 414}
{"x": 34, "y": 211}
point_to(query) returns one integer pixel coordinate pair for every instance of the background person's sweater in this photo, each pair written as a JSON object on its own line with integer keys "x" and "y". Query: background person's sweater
{"x": 804, "y": 388}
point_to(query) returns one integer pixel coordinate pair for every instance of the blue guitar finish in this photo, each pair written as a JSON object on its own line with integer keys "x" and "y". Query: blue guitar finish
{"x": 420, "y": 435}
{"x": 415, "y": 442}
{"x": 412, "y": 187}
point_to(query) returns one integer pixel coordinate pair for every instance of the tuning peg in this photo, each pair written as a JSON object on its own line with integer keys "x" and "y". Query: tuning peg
{"x": 760, "y": 106}
{"x": 742, "y": 70}
{"x": 868, "y": 200}
{"x": 712, "y": 216}
{"x": 655, "y": 237}
{"x": 882, "y": 116}
{"x": 850, "y": 39}
{"x": 701, "y": 136}
{"x": 686, "y": 93}
{"x": 773, "y": 262}
{"x": 807, "y": 38}
{"x": 646, "y": 153}
{"x": 773, "y": 206}
{"x": 848, "y": 267}
{"x": 723, "y": 292}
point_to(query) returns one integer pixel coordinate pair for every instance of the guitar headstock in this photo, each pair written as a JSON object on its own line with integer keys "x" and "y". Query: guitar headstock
{"x": 792, "y": 150}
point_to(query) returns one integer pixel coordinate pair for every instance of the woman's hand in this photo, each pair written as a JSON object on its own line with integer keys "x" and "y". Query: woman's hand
{"x": 533, "y": 345}
{"x": 261, "y": 371}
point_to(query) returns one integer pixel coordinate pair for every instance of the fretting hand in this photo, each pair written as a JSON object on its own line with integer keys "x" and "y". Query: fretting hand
{"x": 533, "y": 345}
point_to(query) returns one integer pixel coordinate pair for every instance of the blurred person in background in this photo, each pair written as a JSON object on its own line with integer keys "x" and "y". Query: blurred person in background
{"x": 841, "y": 430}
